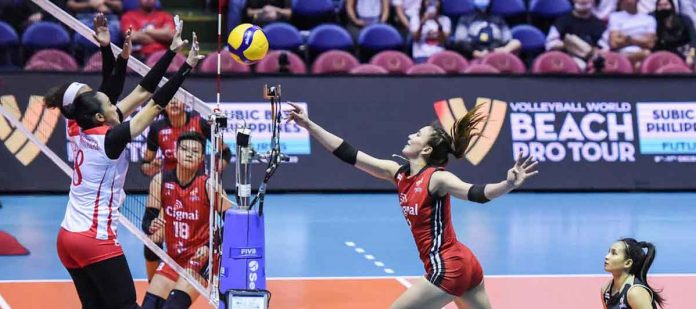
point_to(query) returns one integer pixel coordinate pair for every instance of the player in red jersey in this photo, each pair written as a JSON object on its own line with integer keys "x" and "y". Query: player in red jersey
{"x": 182, "y": 194}
{"x": 163, "y": 135}
{"x": 424, "y": 187}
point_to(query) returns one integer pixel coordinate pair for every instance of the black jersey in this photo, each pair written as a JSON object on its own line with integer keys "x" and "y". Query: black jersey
{"x": 620, "y": 300}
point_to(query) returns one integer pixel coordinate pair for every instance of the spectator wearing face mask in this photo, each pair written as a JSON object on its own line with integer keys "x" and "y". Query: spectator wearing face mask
{"x": 430, "y": 30}
{"x": 480, "y": 33}
{"x": 675, "y": 32}
{"x": 577, "y": 33}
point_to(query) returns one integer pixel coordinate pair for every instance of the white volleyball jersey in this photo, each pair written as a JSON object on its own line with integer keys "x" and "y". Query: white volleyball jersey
{"x": 96, "y": 191}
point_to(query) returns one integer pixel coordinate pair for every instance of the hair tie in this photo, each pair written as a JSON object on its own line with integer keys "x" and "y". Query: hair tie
{"x": 71, "y": 93}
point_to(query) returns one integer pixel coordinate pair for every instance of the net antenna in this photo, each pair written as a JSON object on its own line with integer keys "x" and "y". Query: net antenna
{"x": 273, "y": 157}
{"x": 243, "y": 258}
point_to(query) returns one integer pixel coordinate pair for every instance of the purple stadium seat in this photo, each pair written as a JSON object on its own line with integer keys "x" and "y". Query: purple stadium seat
{"x": 173, "y": 67}
{"x": 369, "y": 69}
{"x": 93, "y": 64}
{"x": 309, "y": 13}
{"x": 449, "y": 61}
{"x": 456, "y": 8}
{"x": 44, "y": 35}
{"x": 615, "y": 63}
{"x": 282, "y": 36}
{"x": 8, "y": 36}
{"x": 328, "y": 37}
{"x": 269, "y": 64}
{"x": 334, "y": 61}
{"x": 555, "y": 62}
{"x": 227, "y": 64}
{"x": 549, "y": 8}
{"x": 425, "y": 69}
{"x": 505, "y": 62}
{"x": 393, "y": 61}
{"x": 532, "y": 39}
{"x": 43, "y": 66}
{"x": 481, "y": 68}
{"x": 674, "y": 69}
{"x": 379, "y": 37}
{"x": 55, "y": 56}
{"x": 659, "y": 59}
{"x": 507, "y": 8}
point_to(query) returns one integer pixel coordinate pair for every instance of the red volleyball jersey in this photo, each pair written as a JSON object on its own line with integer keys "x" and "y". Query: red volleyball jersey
{"x": 429, "y": 220}
{"x": 187, "y": 214}
{"x": 163, "y": 136}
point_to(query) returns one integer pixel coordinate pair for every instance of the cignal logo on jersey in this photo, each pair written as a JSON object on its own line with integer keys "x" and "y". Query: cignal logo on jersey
{"x": 558, "y": 131}
{"x": 493, "y": 110}
{"x": 37, "y": 121}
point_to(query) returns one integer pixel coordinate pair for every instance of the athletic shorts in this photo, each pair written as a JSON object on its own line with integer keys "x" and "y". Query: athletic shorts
{"x": 77, "y": 250}
{"x": 167, "y": 271}
{"x": 459, "y": 271}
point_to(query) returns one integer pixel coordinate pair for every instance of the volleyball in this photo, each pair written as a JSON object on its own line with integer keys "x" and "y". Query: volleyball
{"x": 248, "y": 44}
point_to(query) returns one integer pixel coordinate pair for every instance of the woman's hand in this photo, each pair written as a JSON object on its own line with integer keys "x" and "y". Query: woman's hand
{"x": 298, "y": 116}
{"x": 193, "y": 56}
{"x": 101, "y": 31}
{"x": 522, "y": 170}
{"x": 127, "y": 44}
{"x": 177, "y": 42}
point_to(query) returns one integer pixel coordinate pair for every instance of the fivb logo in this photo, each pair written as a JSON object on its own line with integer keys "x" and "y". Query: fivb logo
{"x": 448, "y": 111}
{"x": 36, "y": 119}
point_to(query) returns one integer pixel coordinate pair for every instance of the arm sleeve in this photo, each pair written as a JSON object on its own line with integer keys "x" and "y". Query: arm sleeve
{"x": 152, "y": 137}
{"x": 116, "y": 140}
{"x": 114, "y": 87}
{"x": 153, "y": 77}
{"x": 107, "y": 65}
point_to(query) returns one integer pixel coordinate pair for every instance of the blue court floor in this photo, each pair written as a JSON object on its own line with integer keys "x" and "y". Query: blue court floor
{"x": 316, "y": 235}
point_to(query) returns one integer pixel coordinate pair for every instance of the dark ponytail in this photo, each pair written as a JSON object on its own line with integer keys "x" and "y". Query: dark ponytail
{"x": 54, "y": 99}
{"x": 457, "y": 140}
{"x": 642, "y": 260}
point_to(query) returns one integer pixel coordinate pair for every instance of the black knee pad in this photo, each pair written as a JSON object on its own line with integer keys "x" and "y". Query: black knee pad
{"x": 152, "y": 301}
{"x": 177, "y": 299}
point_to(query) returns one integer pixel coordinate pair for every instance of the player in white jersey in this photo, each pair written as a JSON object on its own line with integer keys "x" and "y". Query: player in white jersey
{"x": 87, "y": 244}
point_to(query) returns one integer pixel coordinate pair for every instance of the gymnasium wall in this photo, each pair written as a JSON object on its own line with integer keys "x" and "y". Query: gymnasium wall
{"x": 590, "y": 133}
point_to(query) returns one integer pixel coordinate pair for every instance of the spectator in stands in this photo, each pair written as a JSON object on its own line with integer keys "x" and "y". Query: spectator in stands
{"x": 686, "y": 7}
{"x": 363, "y": 13}
{"x": 262, "y": 12}
{"x": 675, "y": 32}
{"x": 20, "y": 14}
{"x": 630, "y": 32}
{"x": 95, "y": 6}
{"x": 152, "y": 29}
{"x": 404, "y": 11}
{"x": 430, "y": 30}
{"x": 86, "y": 10}
{"x": 577, "y": 33}
{"x": 480, "y": 33}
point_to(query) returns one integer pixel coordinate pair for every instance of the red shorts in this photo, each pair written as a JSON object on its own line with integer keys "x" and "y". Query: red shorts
{"x": 460, "y": 271}
{"x": 77, "y": 250}
{"x": 167, "y": 271}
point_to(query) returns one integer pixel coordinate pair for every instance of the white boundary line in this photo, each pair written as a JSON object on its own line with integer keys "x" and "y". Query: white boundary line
{"x": 4, "y": 304}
